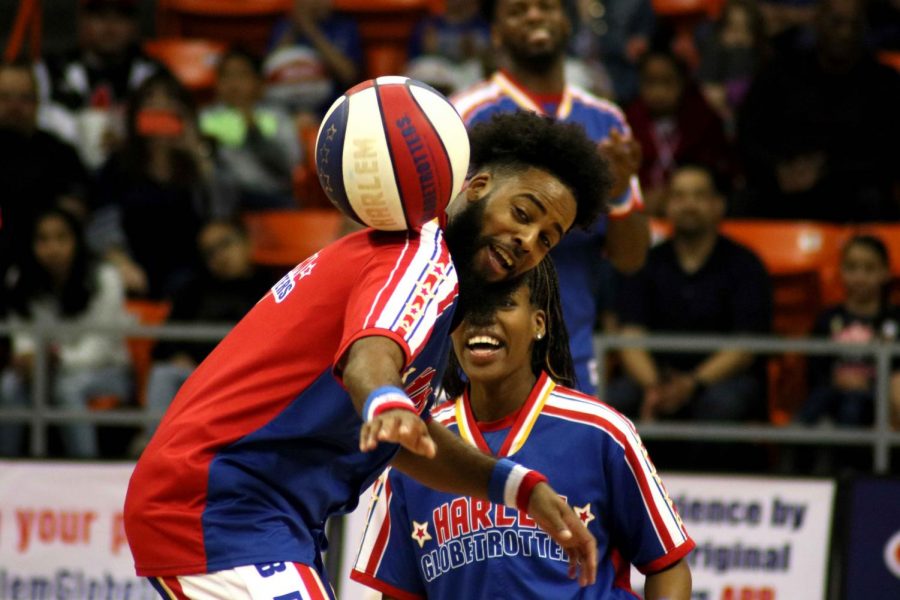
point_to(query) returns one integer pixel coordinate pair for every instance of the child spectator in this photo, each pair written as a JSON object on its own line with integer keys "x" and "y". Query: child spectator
{"x": 154, "y": 194}
{"x": 674, "y": 125}
{"x": 58, "y": 282}
{"x": 315, "y": 56}
{"x": 732, "y": 56}
{"x": 223, "y": 292}
{"x": 843, "y": 387}
{"x": 87, "y": 87}
{"x": 258, "y": 145}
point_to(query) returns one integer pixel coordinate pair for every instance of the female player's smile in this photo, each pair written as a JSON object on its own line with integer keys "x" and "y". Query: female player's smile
{"x": 495, "y": 342}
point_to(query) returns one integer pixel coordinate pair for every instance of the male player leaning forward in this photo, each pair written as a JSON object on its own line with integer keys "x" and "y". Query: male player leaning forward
{"x": 313, "y": 393}
{"x": 518, "y": 402}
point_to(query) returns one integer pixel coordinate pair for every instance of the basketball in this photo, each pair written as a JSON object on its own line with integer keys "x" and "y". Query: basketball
{"x": 391, "y": 153}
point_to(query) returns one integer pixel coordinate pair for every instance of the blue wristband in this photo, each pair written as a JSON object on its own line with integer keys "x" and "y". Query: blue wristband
{"x": 385, "y": 398}
{"x": 499, "y": 476}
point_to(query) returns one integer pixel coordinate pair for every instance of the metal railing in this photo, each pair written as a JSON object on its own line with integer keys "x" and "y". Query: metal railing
{"x": 881, "y": 438}
{"x": 41, "y": 414}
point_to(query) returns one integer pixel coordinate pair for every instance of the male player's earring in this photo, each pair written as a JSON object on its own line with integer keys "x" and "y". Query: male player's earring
{"x": 539, "y": 335}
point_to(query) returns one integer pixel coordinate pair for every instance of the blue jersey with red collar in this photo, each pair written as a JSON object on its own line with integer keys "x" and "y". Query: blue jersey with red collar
{"x": 577, "y": 256}
{"x": 422, "y": 543}
{"x": 261, "y": 444}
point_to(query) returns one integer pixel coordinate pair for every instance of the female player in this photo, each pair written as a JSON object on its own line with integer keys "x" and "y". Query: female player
{"x": 514, "y": 351}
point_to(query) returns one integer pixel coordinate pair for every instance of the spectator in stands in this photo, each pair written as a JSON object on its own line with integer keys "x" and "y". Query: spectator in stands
{"x": 732, "y": 56}
{"x": 843, "y": 387}
{"x": 674, "y": 125}
{"x": 154, "y": 193}
{"x": 223, "y": 292}
{"x": 258, "y": 145}
{"x": 698, "y": 282}
{"x": 37, "y": 170}
{"x": 819, "y": 127}
{"x": 616, "y": 34}
{"x": 58, "y": 282}
{"x": 456, "y": 40}
{"x": 315, "y": 55}
{"x": 530, "y": 38}
{"x": 87, "y": 87}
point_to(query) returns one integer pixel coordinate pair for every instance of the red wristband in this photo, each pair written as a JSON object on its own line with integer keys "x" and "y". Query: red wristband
{"x": 523, "y": 495}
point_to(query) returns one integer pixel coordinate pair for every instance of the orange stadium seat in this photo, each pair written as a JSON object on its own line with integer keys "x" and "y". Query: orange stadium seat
{"x": 684, "y": 15}
{"x": 891, "y": 58}
{"x": 283, "y": 238}
{"x": 244, "y": 22}
{"x": 795, "y": 254}
{"x": 147, "y": 312}
{"x": 385, "y": 26}
{"x": 140, "y": 350}
{"x": 192, "y": 61}
{"x": 679, "y": 8}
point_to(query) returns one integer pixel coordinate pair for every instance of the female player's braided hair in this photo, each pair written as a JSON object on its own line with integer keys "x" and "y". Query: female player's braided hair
{"x": 550, "y": 353}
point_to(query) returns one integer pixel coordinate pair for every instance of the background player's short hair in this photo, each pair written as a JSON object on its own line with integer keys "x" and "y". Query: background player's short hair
{"x": 720, "y": 184}
{"x": 521, "y": 139}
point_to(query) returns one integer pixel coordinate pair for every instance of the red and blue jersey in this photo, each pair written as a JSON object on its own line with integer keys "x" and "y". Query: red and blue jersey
{"x": 577, "y": 256}
{"x": 261, "y": 444}
{"x": 422, "y": 543}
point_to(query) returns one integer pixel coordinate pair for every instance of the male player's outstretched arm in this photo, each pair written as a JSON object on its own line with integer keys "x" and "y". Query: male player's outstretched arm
{"x": 461, "y": 469}
{"x": 443, "y": 461}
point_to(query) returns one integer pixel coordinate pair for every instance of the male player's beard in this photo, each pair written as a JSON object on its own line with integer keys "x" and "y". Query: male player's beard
{"x": 464, "y": 239}
{"x": 463, "y": 235}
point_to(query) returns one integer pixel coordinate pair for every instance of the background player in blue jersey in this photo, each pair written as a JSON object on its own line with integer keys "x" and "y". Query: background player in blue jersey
{"x": 530, "y": 37}
{"x": 421, "y": 543}
{"x": 309, "y": 397}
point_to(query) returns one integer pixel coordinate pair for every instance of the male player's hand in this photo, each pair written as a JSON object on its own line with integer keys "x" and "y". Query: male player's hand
{"x": 398, "y": 426}
{"x": 554, "y": 516}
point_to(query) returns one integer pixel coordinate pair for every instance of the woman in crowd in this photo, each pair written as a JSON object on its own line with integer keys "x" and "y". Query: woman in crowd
{"x": 154, "y": 194}
{"x": 674, "y": 125}
{"x": 59, "y": 283}
{"x": 731, "y": 57}
{"x": 508, "y": 380}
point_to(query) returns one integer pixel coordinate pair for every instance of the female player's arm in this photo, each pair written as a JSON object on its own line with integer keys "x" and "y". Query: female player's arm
{"x": 673, "y": 583}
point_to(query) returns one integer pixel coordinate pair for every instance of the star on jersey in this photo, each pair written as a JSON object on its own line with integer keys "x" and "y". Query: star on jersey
{"x": 420, "y": 533}
{"x": 584, "y": 513}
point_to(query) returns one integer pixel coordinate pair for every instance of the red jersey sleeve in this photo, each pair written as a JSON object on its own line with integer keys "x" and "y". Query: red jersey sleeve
{"x": 402, "y": 291}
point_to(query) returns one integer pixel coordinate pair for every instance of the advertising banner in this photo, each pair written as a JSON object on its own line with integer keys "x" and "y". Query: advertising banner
{"x": 61, "y": 535}
{"x": 61, "y": 532}
{"x": 757, "y": 538}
